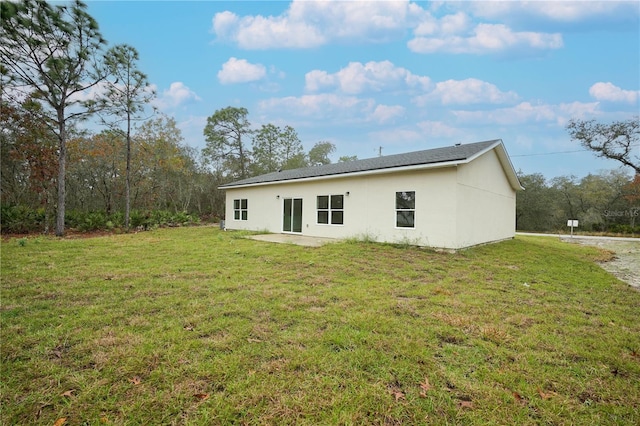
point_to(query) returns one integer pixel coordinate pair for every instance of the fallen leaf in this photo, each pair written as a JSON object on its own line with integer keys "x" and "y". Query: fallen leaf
{"x": 68, "y": 393}
{"x": 188, "y": 328}
{"x": 425, "y": 386}
{"x": 104, "y": 419}
{"x": 547, "y": 395}
{"x": 398, "y": 395}
{"x": 60, "y": 421}
{"x": 465, "y": 404}
{"x": 251, "y": 340}
{"x": 519, "y": 398}
{"x": 201, "y": 396}
{"x": 136, "y": 380}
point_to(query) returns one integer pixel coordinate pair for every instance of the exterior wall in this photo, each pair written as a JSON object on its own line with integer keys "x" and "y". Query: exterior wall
{"x": 486, "y": 202}
{"x": 456, "y": 207}
{"x": 369, "y": 209}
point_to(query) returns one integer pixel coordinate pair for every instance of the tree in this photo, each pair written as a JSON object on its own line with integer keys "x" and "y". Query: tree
{"x": 347, "y": 158}
{"x": 534, "y": 206}
{"x": 599, "y": 195}
{"x": 618, "y": 141}
{"x": 28, "y": 158}
{"x": 94, "y": 173}
{"x": 266, "y": 149}
{"x": 225, "y": 135}
{"x": 319, "y": 154}
{"x": 293, "y": 155}
{"x": 567, "y": 196}
{"x": 164, "y": 167}
{"x": 276, "y": 149}
{"x": 631, "y": 193}
{"x": 51, "y": 53}
{"x": 127, "y": 95}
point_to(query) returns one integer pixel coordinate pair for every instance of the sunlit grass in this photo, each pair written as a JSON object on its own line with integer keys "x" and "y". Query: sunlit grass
{"x": 198, "y": 326}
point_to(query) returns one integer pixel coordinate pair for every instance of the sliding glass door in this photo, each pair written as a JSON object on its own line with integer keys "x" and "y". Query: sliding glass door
{"x": 292, "y": 217}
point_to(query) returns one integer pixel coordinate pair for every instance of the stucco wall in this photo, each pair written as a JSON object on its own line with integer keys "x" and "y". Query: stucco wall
{"x": 455, "y": 206}
{"x": 369, "y": 209}
{"x": 486, "y": 202}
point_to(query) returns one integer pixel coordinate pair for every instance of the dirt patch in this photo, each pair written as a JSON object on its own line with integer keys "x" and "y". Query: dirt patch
{"x": 626, "y": 262}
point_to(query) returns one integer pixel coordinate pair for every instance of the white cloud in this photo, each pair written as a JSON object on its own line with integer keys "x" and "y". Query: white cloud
{"x": 93, "y": 93}
{"x": 374, "y": 76}
{"x": 224, "y": 23}
{"x": 526, "y": 112}
{"x": 456, "y": 23}
{"x": 308, "y": 24}
{"x": 177, "y": 94}
{"x": 559, "y": 11}
{"x": 469, "y": 91}
{"x": 609, "y": 92}
{"x": 438, "y": 129}
{"x": 319, "y": 106}
{"x": 240, "y": 71}
{"x": 315, "y": 80}
{"x": 476, "y": 28}
{"x": 386, "y": 113}
{"x": 486, "y": 38}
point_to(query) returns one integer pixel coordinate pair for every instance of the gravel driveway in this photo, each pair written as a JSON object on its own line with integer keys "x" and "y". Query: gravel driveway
{"x": 626, "y": 264}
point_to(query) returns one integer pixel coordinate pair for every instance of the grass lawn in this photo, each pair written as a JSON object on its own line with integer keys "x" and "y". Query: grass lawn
{"x": 197, "y": 326}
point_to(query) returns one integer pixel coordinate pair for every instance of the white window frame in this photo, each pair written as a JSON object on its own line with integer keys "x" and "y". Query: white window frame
{"x": 238, "y": 210}
{"x": 398, "y": 210}
{"x": 330, "y": 210}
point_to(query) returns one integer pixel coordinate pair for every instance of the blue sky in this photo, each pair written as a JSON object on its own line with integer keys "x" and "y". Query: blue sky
{"x": 400, "y": 75}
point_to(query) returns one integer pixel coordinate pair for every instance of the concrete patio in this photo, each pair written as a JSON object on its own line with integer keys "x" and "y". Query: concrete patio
{"x": 300, "y": 240}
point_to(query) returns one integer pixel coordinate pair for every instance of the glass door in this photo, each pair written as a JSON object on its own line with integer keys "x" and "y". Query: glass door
{"x": 292, "y": 215}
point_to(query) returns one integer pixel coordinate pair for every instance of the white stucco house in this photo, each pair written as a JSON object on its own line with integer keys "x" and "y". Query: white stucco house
{"x": 451, "y": 197}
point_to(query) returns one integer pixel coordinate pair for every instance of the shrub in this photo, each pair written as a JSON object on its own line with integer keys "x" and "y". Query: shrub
{"x": 21, "y": 219}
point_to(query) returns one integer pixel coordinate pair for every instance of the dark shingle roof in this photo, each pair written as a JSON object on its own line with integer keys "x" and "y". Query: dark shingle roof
{"x": 429, "y": 156}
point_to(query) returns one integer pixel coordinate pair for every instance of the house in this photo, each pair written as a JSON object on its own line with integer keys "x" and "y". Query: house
{"x": 451, "y": 197}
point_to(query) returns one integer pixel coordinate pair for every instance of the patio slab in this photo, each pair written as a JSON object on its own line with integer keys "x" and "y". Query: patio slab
{"x": 300, "y": 240}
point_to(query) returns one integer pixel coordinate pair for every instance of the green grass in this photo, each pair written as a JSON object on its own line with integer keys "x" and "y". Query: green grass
{"x": 196, "y": 326}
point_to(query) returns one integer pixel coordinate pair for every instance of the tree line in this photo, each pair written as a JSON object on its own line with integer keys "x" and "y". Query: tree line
{"x": 605, "y": 202}
{"x": 162, "y": 172}
{"x": 57, "y": 70}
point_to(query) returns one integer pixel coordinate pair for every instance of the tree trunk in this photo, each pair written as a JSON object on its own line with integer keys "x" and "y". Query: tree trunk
{"x": 62, "y": 165}
{"x": 127, "y": 185}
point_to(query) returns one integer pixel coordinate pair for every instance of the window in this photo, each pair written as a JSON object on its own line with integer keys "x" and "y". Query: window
{"x": 406, "y": 209}
{"x": 330, "y": 209}
{"x": 240, "y": 211}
